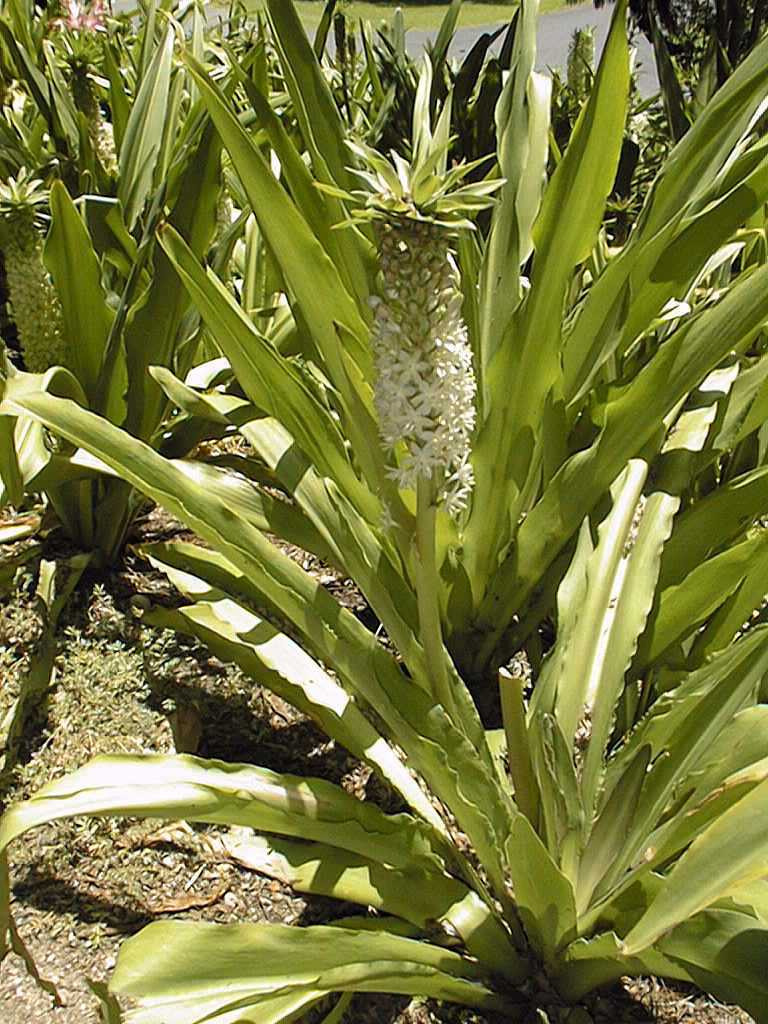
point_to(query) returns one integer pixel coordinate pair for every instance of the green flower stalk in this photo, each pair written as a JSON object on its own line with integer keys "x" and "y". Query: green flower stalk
{"x": 34, "y": 303}
{"x": 424, "y": 389}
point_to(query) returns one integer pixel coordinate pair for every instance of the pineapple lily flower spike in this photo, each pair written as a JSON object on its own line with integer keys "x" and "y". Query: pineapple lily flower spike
{"x": 425, "y": 383}
{"x": 424, "y": 387}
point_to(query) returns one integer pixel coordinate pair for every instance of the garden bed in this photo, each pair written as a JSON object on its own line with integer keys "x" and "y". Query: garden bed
{"x": 82, "y": 886}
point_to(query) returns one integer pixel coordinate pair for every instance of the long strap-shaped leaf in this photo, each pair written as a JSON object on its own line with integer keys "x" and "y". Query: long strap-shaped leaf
{"x": 713, "y": 522}
{"x": 522, "y": 122}
{"x": 142, "y": 144}
{"x": 627, "y": 602}
{"x": 322, "y": 130}
{"x": 434, "y": 747}
{"x": 153, "y": 331}
{"x": 630, "y": 420}
{"x": 25, "y": 457}
{"x": 733, "y": 613}
{"x": 713, "y": 866}
{"x": 526, "y": 368}
{"x": 347, "y": 249}
{"x": 188, "y": 973}
{"x": 683, "y": 608}
{"x": 437, "y": 750}
{"x": 630, "y": 596}
{"x": 309, "y": 272}
{"x": 266, "y": 512}
{"x": 266, "y": 377}
{"x": 217, "y": 792}
{"x": 589, "y": 964}
{"x": 712, "y": 140}
{"x": 327, "y": 311}
{"x": 87, "y": 318}
{"x": 718, "y": 791}
{"x": 316, "y": 111}
{"x": 420, "y": 897}
{"x": 678, "y": 733}
{"x": 652, "y": 269}
{"x": 353, "y": 543}
{"x": 582, "y": 669}
{"x": 235, "y": 633}
{"x": 724, "y": 949}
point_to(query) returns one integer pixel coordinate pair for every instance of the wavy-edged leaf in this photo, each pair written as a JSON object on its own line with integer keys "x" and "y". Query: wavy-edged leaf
{"x": 225, "y": 971}
{"x": 743, "y": 742}
{"x": 674, "y": 835}
{"x": 732, "y": 852}
{"x": 371, "y": 564}
{"x": 563, "y": 817}
{"x": 631, "y": 419}
{"x": 418, "y": 896}
{"x": 218, "y": 792}
{"x": 588, "y": 670}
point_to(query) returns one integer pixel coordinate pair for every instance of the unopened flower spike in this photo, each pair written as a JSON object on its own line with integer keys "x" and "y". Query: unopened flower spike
{"x": 34, "y": 302}
{"x": 79, "y": 33}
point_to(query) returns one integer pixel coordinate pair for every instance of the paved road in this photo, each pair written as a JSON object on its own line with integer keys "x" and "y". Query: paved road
{"x": 554, "y": 36}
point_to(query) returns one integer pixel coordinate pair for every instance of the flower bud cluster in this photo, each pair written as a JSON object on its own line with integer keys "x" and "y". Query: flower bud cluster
{"x": 81, "y": 17}
{"x": 102, "y": 135}
{"x": 425, "y": 384}
{"x": 100, "y": 131}
{"x": 224, "y": 212}
{"x": 34, "y": 303}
